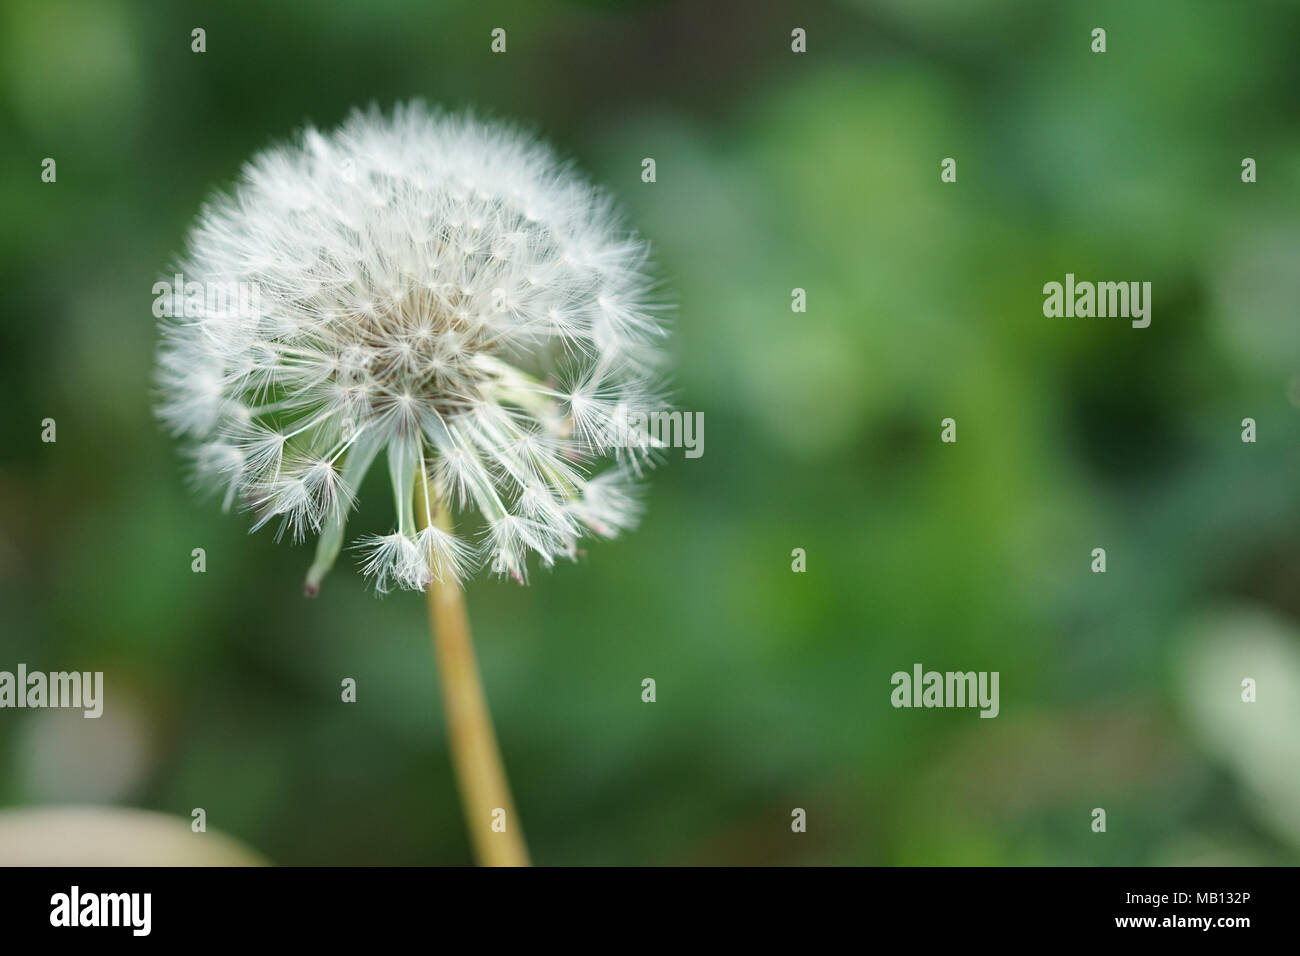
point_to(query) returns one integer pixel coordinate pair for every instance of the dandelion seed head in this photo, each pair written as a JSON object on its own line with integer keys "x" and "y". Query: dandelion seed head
{"x": 422, "y": 281}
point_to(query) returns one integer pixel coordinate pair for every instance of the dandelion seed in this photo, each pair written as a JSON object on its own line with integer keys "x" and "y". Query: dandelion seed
{"x": 446, "y": 556}
{"x": 393, "y": 560}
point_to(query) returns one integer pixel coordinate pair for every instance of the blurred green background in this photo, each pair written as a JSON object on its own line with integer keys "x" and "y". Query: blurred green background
{"x": 775, "y": 171}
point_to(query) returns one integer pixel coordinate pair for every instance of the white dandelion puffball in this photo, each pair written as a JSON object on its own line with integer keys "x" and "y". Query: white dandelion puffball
{"x": 440, "y": 289}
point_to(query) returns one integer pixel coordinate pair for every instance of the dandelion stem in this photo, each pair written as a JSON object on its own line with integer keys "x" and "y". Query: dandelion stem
{"x": 480, "y": 772}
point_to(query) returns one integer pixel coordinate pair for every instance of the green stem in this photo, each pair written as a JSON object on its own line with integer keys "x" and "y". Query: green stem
{"x": 480, "y": 772}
